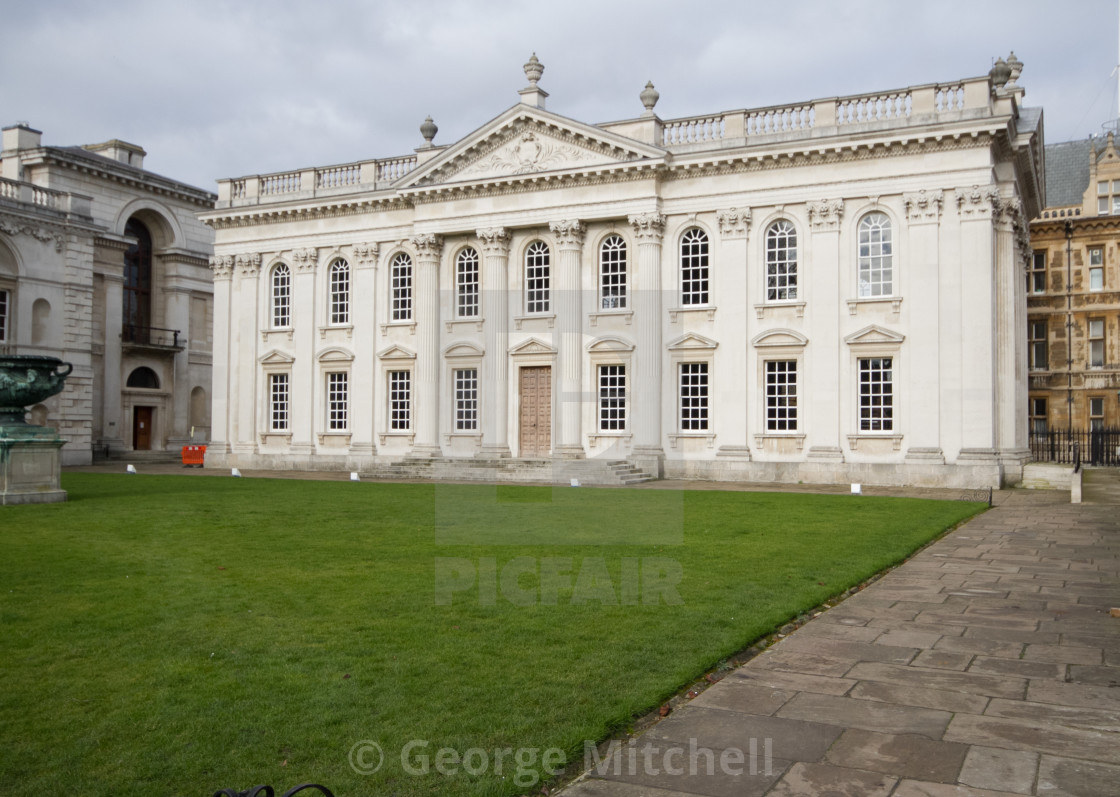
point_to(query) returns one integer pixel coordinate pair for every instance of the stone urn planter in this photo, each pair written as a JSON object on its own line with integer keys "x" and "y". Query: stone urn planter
{"x": 29, "y": 461}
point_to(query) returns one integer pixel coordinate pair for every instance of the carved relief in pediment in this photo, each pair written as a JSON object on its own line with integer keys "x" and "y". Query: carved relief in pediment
{"x": 530, "y": 151}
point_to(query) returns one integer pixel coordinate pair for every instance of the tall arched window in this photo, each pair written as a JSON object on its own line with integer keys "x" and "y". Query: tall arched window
{"x": 281, "y": 284}
{"x": 137, "y": 299}
{"x": 694, "y": 267}
{"x": 466, "y": 283}
{"x": 876, "y": 256}
{"x": 401, "y": 277}
{"x": 612, "y": 273}
{"x": 538, "y": 278}
{"x": 340, "y": 292}
{"x": 781, "y": 262}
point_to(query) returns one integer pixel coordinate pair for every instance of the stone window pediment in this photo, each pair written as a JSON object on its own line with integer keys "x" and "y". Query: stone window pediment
{"x": 874, "y": 334}
{"x": 396, "y": 353}
{"x": 532, "y": 346}
{"x": 692, "y": 342}
{"x": 335, "y": 355}
{"x": 275, "y": 357}
{"x": 463, "y": 349}
{"x": 608, "y": 344}
{"x": 775, "y": 338}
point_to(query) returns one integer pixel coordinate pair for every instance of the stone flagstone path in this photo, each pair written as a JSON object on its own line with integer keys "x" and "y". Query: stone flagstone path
{"x": 987, "y": 665}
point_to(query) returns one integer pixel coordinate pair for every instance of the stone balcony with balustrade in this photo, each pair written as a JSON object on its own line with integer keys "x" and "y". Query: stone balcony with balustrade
{"x": 17, "y": 193}
{"x": 914, "y": 107}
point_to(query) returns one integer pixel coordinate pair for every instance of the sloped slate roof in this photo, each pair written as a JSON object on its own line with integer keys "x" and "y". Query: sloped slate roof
{"x": 1067, "y": 172}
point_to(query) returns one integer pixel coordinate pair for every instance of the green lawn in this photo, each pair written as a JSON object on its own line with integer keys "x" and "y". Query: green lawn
{"x": 176, "y": 635}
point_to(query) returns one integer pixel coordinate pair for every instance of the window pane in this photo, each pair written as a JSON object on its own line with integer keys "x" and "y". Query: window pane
{"x": 781, "y": 395}
{"x": 694, "y": 397}
{"x": 1096, "y": 279}
{"x": 694, "y": 268}
{"x": 401, "y": 278}
{"x": 279, "y": 402}
{"x": 876, "y": 265}
{"x": 281, "y": 296}
{"x": 781, "y": 262}
{"x": 466, "y": 399}
{"x": 612, "y": 398}
{"x": 1096, "y": 256}
{"x": 400, "y": 400}
{"x": 876, "y": 394}
{"x": 338, "y": 402}
{"x": 538, "y": 279}
{"x": 466, "y": 283}
{"x": 612, "y": 273}
{"x": 340, "y": 293}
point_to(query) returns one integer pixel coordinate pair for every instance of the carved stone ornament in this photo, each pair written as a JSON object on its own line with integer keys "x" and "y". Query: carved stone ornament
{"x": 569, "y": 233}
{"x": 734, "y": 223}
{"x": 977, "y": 202}
{"x": 365, "y": 255}
{"x": 826, "y": 214}
{"x": 38, "y": 233}
{"x": 531, "y": 152}
{"x": 648, "y": 227}
{"x": 306, "y": 259}
{"x": 222, "y": 266}
{"x": 924, "y": 205}
{"x": 494, "y": 240}
{"x": 428, "y": 245}
{"x": 248, "y": 264}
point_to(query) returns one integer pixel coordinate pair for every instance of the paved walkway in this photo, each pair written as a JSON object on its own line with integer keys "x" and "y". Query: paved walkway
{"x": 986, "y": 665}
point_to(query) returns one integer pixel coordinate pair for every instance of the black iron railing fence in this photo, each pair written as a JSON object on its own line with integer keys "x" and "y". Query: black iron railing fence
{"x": 1073, "y": 447}
{"x": 150, "y": 336}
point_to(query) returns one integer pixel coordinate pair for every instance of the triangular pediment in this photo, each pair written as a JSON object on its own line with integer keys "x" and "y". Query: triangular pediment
{"x": 874, "y": 334}
{"x": 525, "y": 141}
{"x": 275, "y": 357}
{"x": 532, "y": 346}
{"x": 463, "y": 349}
{"x": 692, "y": 342}
{"x": 779, "y": 337}
{"x": 396, "y": 353}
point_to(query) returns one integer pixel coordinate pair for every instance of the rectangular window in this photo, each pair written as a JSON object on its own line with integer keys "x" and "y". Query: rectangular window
{"x": 694, "y": 268}
{"x": 400, "y": 400}
{"x": 466, "y": 399}
{"x": 1102, "y": 206}
{"x": 1096, "y": 343}
{"x": 4, "y": 316}
{"x": 1102, "y": 188}
{"x": 1096, "y": 414}
{"x": 401, "y": 278}
{"x": 1037, "y": 342}
{"x": 612, "y": 398}
{"x": 1096, "y": 269}
{"x": 338, "y": 402}
{"x": 694, "y": 397}
{"x": 1115, "y": 205}
{"x": 781, "y": 395}
{"x": 876, "y": 394}
{"x": 1038, "y": 416}
{"x": 340, "y": 293}
{"x": 612, "y": 274}
{"x": 278, "y": 401}
{"x": 1036, "y": 278}
{"x": 466, "y": 284}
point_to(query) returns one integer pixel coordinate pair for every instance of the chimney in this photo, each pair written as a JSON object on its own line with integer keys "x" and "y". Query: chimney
{"x": 21, "y": 136}
{"x": 122, "y": 151}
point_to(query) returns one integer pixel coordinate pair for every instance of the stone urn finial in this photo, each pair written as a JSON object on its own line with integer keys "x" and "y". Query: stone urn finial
{"x": 428, "y": 130}
{"x": 1000, "y": 73}
{"x": 1016, "y": 67}
{"x": 650, "y": 96}
{"x": 533, "y": 70}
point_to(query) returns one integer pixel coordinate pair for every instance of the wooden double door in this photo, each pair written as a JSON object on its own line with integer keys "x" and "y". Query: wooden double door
{"x": 535, "y": 390}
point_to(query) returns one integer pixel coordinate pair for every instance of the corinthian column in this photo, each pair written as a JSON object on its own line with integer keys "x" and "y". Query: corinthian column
{"x": 569, "y": 309}
{"x": 495, "y": 367}
{"x": 428, "y": 250}
{"x": 645, "y": 404}
{"x": 217, "y": 452}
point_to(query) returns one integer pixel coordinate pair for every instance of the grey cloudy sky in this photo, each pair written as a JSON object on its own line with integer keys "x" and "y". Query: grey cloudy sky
{"x": 220, "y": 89}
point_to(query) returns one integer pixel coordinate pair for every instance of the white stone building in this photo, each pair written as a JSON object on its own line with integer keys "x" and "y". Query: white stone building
{"x": 829, "y": 291}
{"x": 104, "y": 264}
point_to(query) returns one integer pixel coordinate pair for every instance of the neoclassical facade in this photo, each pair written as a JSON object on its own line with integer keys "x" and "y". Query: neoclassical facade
{"x": 105, "y": 265}
{"x": 829, "y": 291}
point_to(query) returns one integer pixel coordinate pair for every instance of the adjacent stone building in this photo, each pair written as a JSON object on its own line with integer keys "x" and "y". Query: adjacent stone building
{"x": 1073, "y": 323}
{"x": 105, "y": 265}
{"x": 826, "y": 291}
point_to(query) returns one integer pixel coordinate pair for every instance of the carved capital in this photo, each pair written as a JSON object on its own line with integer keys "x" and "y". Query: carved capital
{"x": 306, "y": 259}
{"x": 248, "y": 264}
{"x": 734, "y": 223}
{"x": 648, "y": 227}
{"x": 494, "y": 240}
{"x": 569, "y": 233}
{"x": 222, "y": 266}
{"x": 365, "y": 255}
{"x": 825, "y": 214}
{"x": 924, "y": 206}
{"x": 977, "y": 202}
{"x": 428, "y": 246}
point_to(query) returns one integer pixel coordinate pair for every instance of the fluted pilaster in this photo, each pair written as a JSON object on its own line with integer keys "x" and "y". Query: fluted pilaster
{"x": 494, "y": 243}
{"x": 428, "y": 251}
{"x": 649, "y": 229}
{"x": 569, "y": 310}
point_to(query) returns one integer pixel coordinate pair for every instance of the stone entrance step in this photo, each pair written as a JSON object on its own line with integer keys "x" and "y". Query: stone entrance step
{"x": 589, "y": 472}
